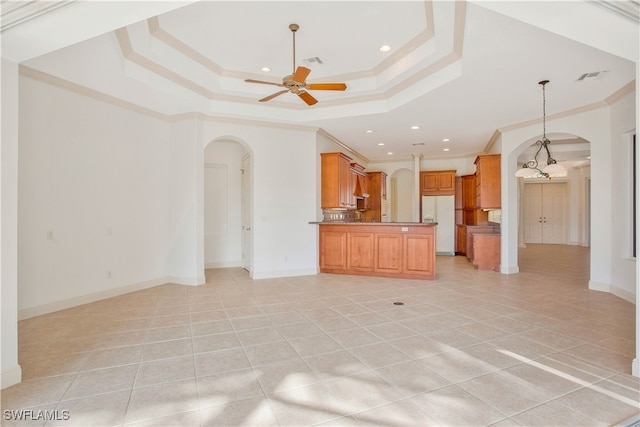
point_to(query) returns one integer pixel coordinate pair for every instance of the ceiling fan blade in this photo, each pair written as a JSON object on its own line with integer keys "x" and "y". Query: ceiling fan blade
{"x": 301, "y": 74}
{"x": 266, "y": 98}
{"x": 263, "y": 82}
{"x": 326, "y": 86}
{"x": 306, "y": 97}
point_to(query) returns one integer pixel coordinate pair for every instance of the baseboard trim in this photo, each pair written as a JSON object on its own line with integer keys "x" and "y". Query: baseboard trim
{"x": 27, "y": 313}
{"x": 510, "y": 270}
{"x": 284, "y": 273}
{"x": 635, "y": 367}
{"x": 11, "y": 376}
{"x": 226, "y": 264}
{"x": 599, "y": 286}
{"x": 624, "y": 294}
{"x": 189, "y": 281}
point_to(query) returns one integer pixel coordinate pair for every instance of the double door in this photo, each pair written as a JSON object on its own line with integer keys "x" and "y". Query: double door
{"x": 544, "y": 213}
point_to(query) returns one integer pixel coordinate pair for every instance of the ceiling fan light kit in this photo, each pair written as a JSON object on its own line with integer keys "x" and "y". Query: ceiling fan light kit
{"x": 296, "y": 81}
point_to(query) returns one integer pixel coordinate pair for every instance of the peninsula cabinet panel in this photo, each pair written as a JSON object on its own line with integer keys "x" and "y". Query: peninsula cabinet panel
{"x": 414, "y": 248}
{"x": 360, "y": 251}
{"x": 333, "y": 250}
{"x": 404, "y": 250}
{"x": 388, "y": 251}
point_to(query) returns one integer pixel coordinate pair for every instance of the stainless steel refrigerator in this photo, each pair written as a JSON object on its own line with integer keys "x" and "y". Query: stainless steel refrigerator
{"x": 441, "y": 209}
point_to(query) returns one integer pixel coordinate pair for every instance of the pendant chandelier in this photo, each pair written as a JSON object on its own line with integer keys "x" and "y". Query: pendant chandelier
{"x": 532, "y": 169}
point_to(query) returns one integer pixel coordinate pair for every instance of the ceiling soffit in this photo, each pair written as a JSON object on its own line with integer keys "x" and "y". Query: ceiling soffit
{"x": 156, "y": 55}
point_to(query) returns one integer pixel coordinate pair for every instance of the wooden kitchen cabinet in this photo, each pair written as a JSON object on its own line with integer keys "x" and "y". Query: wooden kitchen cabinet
{"x": 471, "y": 214}
{"x": 468, "y": 191}
{"x": 377, "y": 190}
{"x": 458, "y": 193}
{"x": 337, "y": 181}
{"x": 402, "y": 250}
{"x": 488, "y": 181}
{"x": 438, "y": 183}
{"x": 461, "y": 239}
{"x": 333, "y": 250}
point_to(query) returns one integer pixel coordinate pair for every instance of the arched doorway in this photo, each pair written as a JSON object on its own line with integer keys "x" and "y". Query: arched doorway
{"x": 556, "y": 211}
{"x": 227, "y": 214}
{"x": 402, "y": 195}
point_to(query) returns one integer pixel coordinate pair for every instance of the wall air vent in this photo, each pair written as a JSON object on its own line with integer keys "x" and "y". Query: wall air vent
{"x": 591, "y": 76}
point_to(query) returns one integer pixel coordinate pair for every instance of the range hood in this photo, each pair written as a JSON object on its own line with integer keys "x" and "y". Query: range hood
{"x": 357, "y": 192}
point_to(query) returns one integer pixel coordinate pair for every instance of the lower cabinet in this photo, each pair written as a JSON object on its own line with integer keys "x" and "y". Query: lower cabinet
{"x": 405, "y": 251}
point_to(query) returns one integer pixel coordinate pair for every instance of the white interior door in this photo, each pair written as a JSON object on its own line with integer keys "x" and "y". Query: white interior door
{"x": 246, "y": 213}
{"x": 544, "y": 213}
{"x": 553, "y": 215}
{"x": 532, "y": 213}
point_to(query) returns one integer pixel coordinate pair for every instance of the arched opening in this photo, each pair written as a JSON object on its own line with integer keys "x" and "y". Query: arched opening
{"x": 227, "y": 217}
{"x": 555, "y": 211}
{"x": 402, "y": 195}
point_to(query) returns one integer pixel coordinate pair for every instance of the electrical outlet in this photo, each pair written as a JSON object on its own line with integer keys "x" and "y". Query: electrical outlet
{"x": 108, "y": 274}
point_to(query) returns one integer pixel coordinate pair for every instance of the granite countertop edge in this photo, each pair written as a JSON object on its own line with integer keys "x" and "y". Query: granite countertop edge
{"x": 412, "y": 224}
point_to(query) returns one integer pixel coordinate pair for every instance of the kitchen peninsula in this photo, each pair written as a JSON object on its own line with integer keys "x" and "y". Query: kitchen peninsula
{"x": 354, "y": 237}
{"x": 402, "y": 250}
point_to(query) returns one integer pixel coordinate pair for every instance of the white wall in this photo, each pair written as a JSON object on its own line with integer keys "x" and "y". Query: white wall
{"x": 185, "y": 259}
{"x": 222, "y": 213}
{"x": 96, "y": 217}
{"x": 623, "y": 281}
{"x": 10, "y": 370}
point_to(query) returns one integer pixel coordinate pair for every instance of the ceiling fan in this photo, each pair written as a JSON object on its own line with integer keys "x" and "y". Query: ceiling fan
{"x": 296, "y": 81}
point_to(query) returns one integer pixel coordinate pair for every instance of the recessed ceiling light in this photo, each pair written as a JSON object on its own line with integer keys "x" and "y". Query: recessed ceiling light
{"x": 384, "y": 48}
{"x": 446, "y": 140}
{"x": 390, "y": 152}
{"x": 380, "y": 143}
{"x": 368, "y": 131}
{"x": 445, "y": 149}
{"x": 265, "y": 69}
{"x": 415, "y": 127}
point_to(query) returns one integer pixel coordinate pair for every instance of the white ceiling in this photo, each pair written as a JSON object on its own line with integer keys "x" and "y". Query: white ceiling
{"x": 458, "y": 70}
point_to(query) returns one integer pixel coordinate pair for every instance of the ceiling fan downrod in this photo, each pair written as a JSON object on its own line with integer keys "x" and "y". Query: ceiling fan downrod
{"x": 294, "y": 28}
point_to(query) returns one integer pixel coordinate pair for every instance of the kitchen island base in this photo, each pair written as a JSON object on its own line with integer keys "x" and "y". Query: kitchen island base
{"x": 402, "y": 250}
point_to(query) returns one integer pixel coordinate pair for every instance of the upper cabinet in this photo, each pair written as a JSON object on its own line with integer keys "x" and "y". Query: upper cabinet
{"x": 337, "y": 179}
{"x": 344, "y": 184}
{"x": 438, "y": 183}
{"x": 488, "y": 181}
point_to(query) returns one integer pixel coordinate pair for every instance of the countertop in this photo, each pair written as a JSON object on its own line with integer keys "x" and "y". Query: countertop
{"x": 411, "y": 224}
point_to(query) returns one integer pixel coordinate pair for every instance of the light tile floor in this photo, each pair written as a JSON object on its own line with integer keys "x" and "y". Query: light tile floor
{"x": 471, "y": 348}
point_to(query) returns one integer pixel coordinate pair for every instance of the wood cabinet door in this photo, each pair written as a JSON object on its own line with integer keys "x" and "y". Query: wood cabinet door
{"x": 419, "y": 256}
{"x": 469, "y": 191}
{"x": 360, "y": 251}
{"x": 447, "y": 182}
{"x": 461, "y": 239}
{"x": 488, "y": 181}
{"x": 333, "y": 250}
{"x": 388, "y": 253}
{"x": 428, "y": 182}
{"x": 344, "y": 183}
